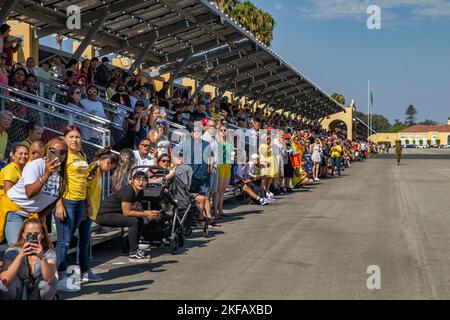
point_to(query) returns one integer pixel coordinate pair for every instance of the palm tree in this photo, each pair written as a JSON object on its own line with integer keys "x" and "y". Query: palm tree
{"x": 411, "y": 115}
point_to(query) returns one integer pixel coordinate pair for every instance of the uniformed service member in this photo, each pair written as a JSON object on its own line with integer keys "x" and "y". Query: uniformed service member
{"x": 398, "y": 152}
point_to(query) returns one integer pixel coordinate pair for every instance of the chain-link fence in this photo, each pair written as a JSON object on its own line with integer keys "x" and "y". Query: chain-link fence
{"x": 54, "y": 117}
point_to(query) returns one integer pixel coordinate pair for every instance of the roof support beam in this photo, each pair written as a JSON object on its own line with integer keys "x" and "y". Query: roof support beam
{"x": 92, "y": 32}
{"x": 178, "y": 69}
{"x": 226, "y": 50}
{"x": 6, "y": 9}
{"x": 194, "y": 50}
{"x": 191, "y": 18}
{"x": 141, "y": 55}
{"x": 227, "y": 86}
{"x": 202, "y": 83}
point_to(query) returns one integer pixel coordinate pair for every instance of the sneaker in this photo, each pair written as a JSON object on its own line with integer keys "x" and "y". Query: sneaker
{"x": 269, "y": 194}
{"x": 271, "y": 200}
{"x": 90, "y": 276}
{"x": 69, "y": 285}
{"x": 263, "y": 201}
{"x": 139, "y": 257}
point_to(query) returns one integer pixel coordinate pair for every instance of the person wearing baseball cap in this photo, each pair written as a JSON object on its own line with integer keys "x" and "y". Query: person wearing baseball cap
{"x": 252, "y": 181}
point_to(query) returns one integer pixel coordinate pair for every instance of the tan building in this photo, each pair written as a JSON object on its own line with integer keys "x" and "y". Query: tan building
{"x": 418, "y": 135}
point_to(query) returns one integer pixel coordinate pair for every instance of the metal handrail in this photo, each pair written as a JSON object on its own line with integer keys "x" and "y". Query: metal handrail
{"x": 105, "y": 132}
{"x": 56, "y": 82}
{"x": 114, "y": 112}
{"x": 54, "y": 104}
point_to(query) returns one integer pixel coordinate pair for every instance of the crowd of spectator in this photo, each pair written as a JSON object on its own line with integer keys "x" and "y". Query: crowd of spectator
{"x": 49, "y": 178}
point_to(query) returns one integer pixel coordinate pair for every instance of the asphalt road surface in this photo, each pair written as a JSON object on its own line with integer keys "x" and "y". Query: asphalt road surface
{"x": 314, "y": 244}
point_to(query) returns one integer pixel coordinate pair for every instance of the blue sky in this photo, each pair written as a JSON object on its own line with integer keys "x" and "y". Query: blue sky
{"x": 407, "y": 61}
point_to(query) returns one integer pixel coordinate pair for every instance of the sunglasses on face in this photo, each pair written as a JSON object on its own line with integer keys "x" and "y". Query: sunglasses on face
{"x": 165, "y": 161}
{"x": 92, "y": 92}
{"x": 223, "y": 130}
{"x": 145, "y": 145}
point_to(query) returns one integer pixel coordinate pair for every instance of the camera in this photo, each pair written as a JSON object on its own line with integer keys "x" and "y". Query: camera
{"x": 32, "y": 238}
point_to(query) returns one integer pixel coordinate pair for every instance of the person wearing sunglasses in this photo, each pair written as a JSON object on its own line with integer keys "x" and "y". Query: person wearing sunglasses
{"x": 36, "y": 192}
{"x": 91, "y": 104}
{"x": 145, "y": 154}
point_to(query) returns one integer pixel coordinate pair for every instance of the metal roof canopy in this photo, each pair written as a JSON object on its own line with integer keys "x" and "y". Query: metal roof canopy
{"x": 187, "y": 38}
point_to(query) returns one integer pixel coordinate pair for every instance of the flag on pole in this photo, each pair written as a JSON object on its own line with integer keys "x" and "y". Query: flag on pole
{"x": 371, "y": 99}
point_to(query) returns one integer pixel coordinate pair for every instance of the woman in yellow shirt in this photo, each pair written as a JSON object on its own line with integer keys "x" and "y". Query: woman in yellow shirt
{"x": 104, "y": 161}
{"x": 13, "y": 170}
{"x": 71, "y": 207}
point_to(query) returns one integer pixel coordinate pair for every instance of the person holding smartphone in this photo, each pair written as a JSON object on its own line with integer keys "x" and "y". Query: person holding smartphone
{"x": 36, "y": 192}
{"x": 122, "y": 209}
{"x": 29, "y": 265}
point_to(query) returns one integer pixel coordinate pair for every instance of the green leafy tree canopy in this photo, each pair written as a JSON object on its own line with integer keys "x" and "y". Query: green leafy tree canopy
{"x": 259, "y": 22}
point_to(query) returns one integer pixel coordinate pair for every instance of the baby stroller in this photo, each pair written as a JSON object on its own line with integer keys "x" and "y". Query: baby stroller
{"x": 170, "y": 225}
{"x": 186, "y": 210}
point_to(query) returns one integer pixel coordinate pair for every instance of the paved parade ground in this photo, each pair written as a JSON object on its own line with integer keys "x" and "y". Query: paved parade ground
{"x": 313, "y": 244}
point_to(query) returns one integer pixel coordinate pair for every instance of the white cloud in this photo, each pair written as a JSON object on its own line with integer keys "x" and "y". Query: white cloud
{"x": 356, "y": 9}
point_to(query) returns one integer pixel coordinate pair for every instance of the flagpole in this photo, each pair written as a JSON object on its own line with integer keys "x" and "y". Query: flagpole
{"x": 368, "y": 109}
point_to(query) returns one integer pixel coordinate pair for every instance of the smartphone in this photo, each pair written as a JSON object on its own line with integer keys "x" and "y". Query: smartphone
{"x": 55, "y": 155}
{"x": 32, "y": 238}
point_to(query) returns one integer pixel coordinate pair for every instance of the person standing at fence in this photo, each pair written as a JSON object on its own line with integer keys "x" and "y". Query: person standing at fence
{"x": 104, "y": 161}
{"x": 71, "y": 207}
{"x": 6, "y": 119}
{"x": 35, "y": 132}
{"x": 36, "y": 192}
{"x": 36, "y": 150}
{"x": 225, "y": 148}
{"x": 210, "y": 135}
{"x": 10, "y": 174}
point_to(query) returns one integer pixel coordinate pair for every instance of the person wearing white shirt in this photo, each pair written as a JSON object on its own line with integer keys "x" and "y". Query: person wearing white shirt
{"x": 210, "y": 136}
{"x": 143, "y": 155}
{"x": 91, "y": 105}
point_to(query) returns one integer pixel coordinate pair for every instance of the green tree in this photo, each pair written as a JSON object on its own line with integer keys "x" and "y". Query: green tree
{"x": 379, "y": 122}
{"x": 260, "y": 23}
{"x": 428, "y": 122}
{"x": 339, "y": 98}
{"x": 411, "y": 113}
{"x": 421, "y": 142}
{"x": 429, "y": 142}
{"x": 438, "y": 142}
